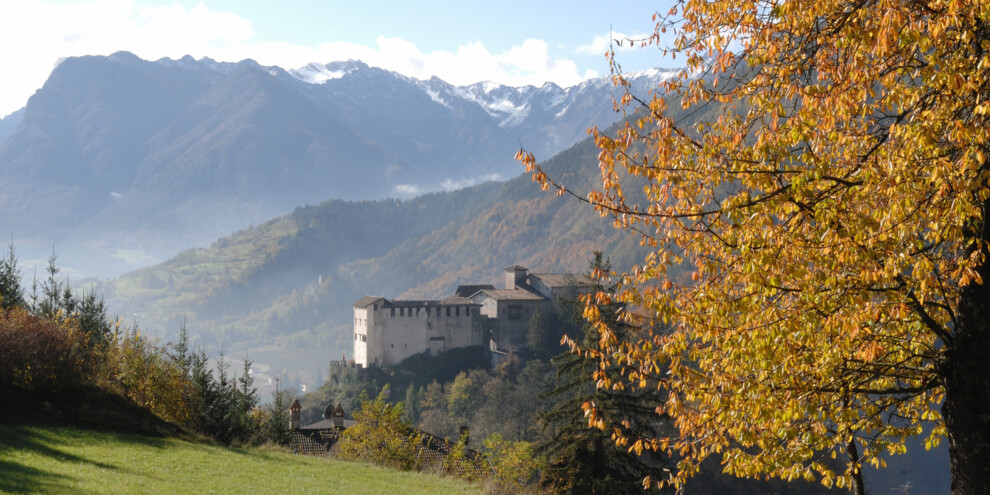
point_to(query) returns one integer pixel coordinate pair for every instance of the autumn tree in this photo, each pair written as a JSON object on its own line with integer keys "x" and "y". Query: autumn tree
{"x": 831, "y": 210}
{"x": 381, "y": 436}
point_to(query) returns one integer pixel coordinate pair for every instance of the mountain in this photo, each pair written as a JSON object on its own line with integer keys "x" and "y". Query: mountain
{"x": 9, "y": 123}
{"x": 120, "y": 162}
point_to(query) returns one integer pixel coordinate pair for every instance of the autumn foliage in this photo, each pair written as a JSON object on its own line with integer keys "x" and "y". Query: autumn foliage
{"x": 39, "y": 353}
{"x": 832, "y": 215}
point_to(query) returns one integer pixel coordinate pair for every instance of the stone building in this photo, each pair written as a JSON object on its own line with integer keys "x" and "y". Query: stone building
{"x": 511, "y": 308}
{"x": 388, "y": 331}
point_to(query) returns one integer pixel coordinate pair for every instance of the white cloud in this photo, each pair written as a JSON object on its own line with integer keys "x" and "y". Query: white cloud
{"x": 37, "y": 35}
{"x": 408, "y": 190}
{"x": 527, "y": 64}
{"x": 621, "y": 42}
{"x": 454, "y": 184}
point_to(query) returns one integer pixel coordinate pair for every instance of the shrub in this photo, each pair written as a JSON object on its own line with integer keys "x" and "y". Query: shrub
{"x": 513, "y": 463}
{"x": 41, "y": 353}
{"x": 147, "y": 375}
{"x": 381, "y": 436}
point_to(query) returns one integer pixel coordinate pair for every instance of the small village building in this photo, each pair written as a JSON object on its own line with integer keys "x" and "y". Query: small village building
{"x": 317, "y": 438}
{"x": 387, "y": 331}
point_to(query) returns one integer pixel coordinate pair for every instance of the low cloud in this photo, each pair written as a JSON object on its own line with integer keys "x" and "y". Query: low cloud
{"x": 454, "y": 184}
{"x": 408, "y": 190}
{"x": 445, "y": 185}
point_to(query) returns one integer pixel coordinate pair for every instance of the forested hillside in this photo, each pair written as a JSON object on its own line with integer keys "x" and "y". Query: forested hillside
{"x": 291, "y": 281}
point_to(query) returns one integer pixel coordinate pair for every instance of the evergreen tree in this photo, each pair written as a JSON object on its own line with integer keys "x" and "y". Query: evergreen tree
{"x": 225, "y": 408}
{"x": 11, "y": 292}
{"x": 582, "y": 459}
{"x": 205, "y": 392}
{"x": 180, "y": 353}
{"x": 52, "y": 291}
{"x": 248, "y": 397}
{"x": 539, "y": 338}
{"x": 276, "y": 427}
{"x": 94, "y": 320}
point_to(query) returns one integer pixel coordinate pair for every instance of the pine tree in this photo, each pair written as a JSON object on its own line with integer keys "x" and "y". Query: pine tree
{"x": 585, "y": 459}
{"x": 277, "y": 425}
{"x": 11, "y": 292}
{"x": 94, "y": 320}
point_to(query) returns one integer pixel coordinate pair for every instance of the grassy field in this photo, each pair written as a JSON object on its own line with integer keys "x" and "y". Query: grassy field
{"x": 67, "y": 460}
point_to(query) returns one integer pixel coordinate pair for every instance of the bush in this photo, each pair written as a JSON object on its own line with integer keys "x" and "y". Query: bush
{"x": 145, "y": 373}
{"x": 514, "y": 464}
{"x": 381, "y": 436}
{"x": 41, "y": 353}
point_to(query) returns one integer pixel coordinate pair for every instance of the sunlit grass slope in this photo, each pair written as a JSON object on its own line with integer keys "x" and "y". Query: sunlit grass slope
{"x": 66, "y": 460}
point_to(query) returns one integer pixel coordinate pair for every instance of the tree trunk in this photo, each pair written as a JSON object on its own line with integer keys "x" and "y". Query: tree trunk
{"x": 857, "y": 488}
{"x": 966, "y": 409}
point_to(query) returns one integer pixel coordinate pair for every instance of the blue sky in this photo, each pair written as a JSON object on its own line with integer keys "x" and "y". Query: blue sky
{"x": 510, "y": 42}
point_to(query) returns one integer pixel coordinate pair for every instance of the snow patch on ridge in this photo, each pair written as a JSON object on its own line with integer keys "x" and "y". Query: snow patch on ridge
{"x": 314, "y": 73}
{"x": 516, "y": 116}
{"x": 435, "y": 96}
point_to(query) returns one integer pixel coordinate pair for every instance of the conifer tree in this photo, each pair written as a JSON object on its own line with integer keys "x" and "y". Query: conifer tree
{"x": 11, "y": 291}
{"x": 583, "y": 458}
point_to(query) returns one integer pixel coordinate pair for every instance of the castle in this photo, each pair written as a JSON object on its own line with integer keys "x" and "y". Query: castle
{"x": 387, "y": 331}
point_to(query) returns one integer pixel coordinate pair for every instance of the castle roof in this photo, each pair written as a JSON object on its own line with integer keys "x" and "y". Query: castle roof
{"x": 456, "y": 300}
{"x": 327, "y": 424}
{"x": 366, "y": 301}
{"x": 513, "y": 295}
{"x": 563, "y": 279}
{"x": 470, "y": 290}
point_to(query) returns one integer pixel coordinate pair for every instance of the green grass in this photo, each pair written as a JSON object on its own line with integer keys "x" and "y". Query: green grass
{"x": 67, "y": 460}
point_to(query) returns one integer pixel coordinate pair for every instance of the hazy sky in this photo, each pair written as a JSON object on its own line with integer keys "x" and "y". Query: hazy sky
{"x": 509, "y": 41}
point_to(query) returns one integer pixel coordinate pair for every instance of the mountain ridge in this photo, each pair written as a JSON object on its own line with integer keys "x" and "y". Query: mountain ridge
{"x": 125, "y": 161}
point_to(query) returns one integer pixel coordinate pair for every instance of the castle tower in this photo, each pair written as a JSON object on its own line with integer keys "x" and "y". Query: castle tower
{"x": 294, "y": 412}
{"x": 515, "y": 276}
{"x": 337, "y": 416}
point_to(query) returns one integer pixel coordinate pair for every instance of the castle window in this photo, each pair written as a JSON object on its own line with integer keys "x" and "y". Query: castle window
{"x": 515, "y": 312}
{"x": 402, "y": 311}
{"x": 448, "y": 311}
{"x": 457, "y": 311}
{"x": 467, "y": 311}
{"x": 356, "y": 337}
{"x": 429, "y": 325}
{"x": 393, "y": 311}
{"x": 364, "y": 338}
